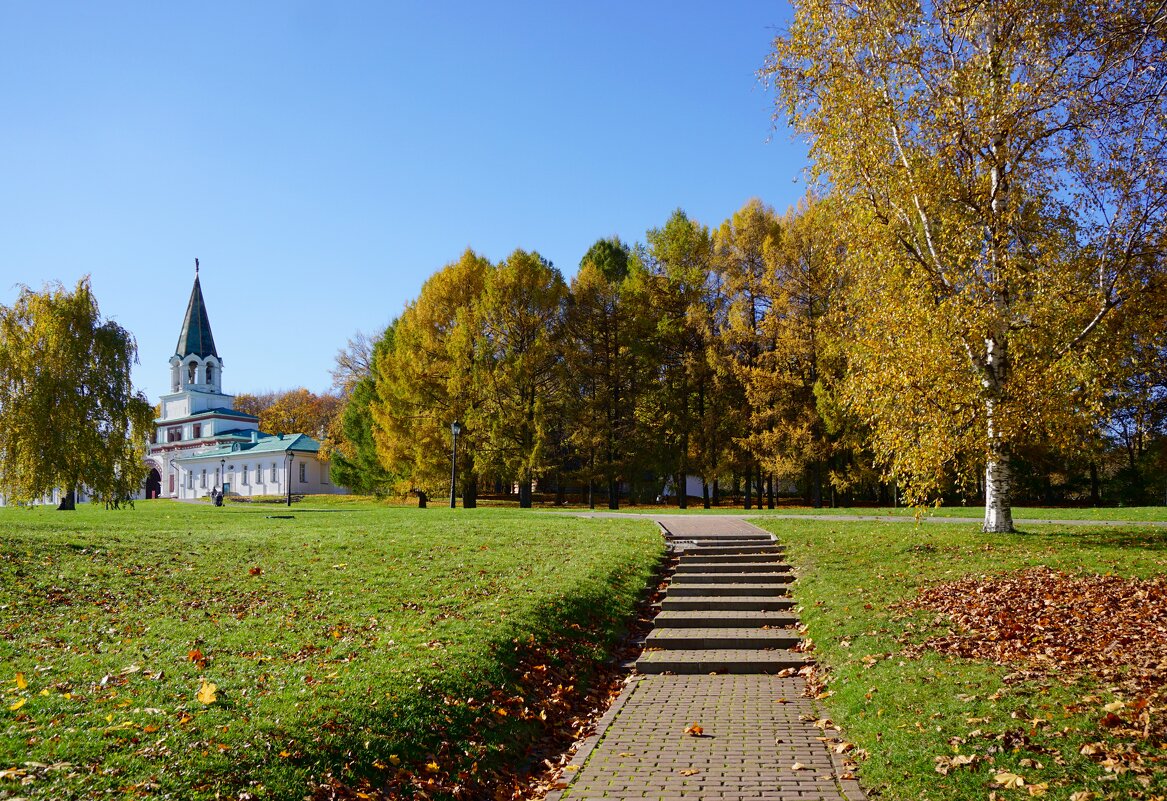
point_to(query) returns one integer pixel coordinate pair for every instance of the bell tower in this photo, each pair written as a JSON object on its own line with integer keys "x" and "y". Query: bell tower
{"x": 196, "y": 365}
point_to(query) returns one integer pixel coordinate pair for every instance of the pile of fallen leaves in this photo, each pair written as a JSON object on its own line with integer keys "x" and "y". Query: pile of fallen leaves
{"x": 1112, "y": 628}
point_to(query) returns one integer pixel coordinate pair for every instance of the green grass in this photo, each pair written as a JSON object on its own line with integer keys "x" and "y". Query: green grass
{"x": 341, "y": 640}
{"x": 906, "y": 711}
{"x": 1136, "y": 514}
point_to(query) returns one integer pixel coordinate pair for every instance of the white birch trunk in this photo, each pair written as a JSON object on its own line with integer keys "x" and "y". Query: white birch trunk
{"x": 998, "y": 470}
{"x": 998, "y": 490}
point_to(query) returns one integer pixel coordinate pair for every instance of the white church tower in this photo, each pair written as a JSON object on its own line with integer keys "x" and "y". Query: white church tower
{"x": 202, "y": 443}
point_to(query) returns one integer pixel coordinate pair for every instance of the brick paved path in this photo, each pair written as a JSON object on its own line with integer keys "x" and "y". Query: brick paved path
{"x": 724, "y": 633}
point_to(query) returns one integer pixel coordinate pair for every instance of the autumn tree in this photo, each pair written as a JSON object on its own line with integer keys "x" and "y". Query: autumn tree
{"x": 424, "y": 380}
{"x": 69, "y": 415}
{"x": 355, "y": 463}
{"x": 1000, "y": 165}
{"x": 603, "y": 374}
{"x": 293, "y": 410}
{"x": 518, "y": 319}
{"x": 673, "y": 275}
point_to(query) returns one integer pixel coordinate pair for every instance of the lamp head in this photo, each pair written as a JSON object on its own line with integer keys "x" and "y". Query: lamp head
{"x": 455, "y": 428}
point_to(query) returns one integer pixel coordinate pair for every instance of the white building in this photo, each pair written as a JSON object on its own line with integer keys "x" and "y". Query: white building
{"x": 201, "y": 443}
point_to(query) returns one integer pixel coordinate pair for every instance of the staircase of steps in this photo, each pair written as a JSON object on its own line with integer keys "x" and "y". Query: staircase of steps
{"x": 726, "y": 610}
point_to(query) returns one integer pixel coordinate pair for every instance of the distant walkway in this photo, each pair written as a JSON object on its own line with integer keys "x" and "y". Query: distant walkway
{"x": 717, "y": 710}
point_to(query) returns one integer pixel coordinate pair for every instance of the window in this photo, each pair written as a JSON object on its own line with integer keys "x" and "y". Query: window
{"x": 190, "y": 479}
{"x": 198, "y": 430}
{"x": 203, "y": 480}
{"x": 192, "y": 371}
{"x": 218, "y": 479}
{"x": 273, "y": 472}
{"x": 303, "y": 472}
{"x": 210, "y": 374}
{"x": 243, "y": 476}
{"x": 173, "y": 434}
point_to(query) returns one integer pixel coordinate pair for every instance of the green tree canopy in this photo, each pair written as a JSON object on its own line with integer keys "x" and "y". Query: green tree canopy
{"x": 69, "y": 415}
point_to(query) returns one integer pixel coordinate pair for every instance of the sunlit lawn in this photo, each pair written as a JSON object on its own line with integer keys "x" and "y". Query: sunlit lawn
{"x": 341, "y": 640}
{"x": 905, "y": 712}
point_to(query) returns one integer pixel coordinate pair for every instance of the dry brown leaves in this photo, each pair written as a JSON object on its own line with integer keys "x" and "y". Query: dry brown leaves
{"x": 1112, "y": 628}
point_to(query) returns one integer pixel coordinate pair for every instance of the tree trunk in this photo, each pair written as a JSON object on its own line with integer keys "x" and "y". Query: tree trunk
{"x": 749, "y": 488}
{"x": 704, "y": 493}
{"x": 998, "y": 481}
{"x": 613, "y": 493}
{"x": 998, "y": 488}
{"x": 420, "y": 499}
{"x": 469, "y": 491}
{"x": 560, "y": 490}
{"x": 769, "y": 490}
{"x": 68, "y": 501}
{"x": 525, "y": 492}
{"x": 682, "y": 491}
{"x": 591, "y": 494}
{"x": 1095, "y": 494}
{"x": 716, "y": 493}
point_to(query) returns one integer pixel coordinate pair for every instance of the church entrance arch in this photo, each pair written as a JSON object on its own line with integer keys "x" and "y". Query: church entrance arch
{"x": 153, "y": 483}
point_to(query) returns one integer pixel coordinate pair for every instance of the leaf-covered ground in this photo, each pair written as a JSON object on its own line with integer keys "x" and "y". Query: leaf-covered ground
{"x": 191, "y": 652}
{"x": 1036, "y": 673}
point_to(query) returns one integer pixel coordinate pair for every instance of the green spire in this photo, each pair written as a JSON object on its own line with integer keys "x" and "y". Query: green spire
{"x": 195, "y": 336}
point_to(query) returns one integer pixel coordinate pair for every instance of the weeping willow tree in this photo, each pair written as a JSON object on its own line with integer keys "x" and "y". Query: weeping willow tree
{"x": 1001, "y": 164}
{"x": 69, "y": 415}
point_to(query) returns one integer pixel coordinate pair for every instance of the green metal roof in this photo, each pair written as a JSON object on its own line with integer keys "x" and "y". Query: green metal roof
{"x": 195, "y": 336}
{"x": 268, "y": 443}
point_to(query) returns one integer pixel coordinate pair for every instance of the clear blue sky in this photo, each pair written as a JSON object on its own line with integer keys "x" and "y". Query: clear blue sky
{"x": 321, "y": 160}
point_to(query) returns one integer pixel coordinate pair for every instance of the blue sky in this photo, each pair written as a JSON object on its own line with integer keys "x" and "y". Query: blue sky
{"x": 321, "y": 160}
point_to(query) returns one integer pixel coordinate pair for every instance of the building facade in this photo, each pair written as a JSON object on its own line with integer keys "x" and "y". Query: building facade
{"x": 202, "y": 444}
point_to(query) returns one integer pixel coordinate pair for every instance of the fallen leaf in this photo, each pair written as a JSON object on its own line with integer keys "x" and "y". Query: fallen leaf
{"x": 21, "y": 684}
{"x": 690, "y": 772}
{"x": 255, "y": 571}
{"x": 798, "y": 766}
{"x": 1009, "y": 781}
{"x": 18, "y": 704}
{"x": 207, "y": 693}
{"x": 1037, "y": 789}
{"x": 693, "y": 730}
{"x": 432, "y": 767}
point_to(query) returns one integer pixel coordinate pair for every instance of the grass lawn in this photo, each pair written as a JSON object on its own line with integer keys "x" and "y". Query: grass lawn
{"x": 365, "y": 644}
{"x": 905, "y": 711}
{"x": 1149, "y": 514}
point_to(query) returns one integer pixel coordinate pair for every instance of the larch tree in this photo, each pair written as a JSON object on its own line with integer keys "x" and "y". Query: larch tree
{"x": 1002, "y": 166}
{"x": 674, "y": 272}
{"x": 425, "y": 382}
{"x": 69, "y": 415}
{"x": 745, "y": 249}
{"x": 518, "y": 319}
{"x": 601, "y": 366}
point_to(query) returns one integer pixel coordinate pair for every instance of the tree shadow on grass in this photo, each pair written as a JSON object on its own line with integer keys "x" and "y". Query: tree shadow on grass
{"x": 1143, "y": 539}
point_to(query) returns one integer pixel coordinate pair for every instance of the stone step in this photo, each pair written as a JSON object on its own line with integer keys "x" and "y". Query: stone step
{"x": 742, "y": 539}
{"x": 723, "y": 618}
{"x": 719, "y": 661}
{"x": 680, "y": 588}
{"x": 694, "y": 565}
{"x": 733, "y": 578}
{"x": 728, "y": 604}
{"x": 689, "y": 639}
{"x": 733, "y": 551}
{"x": 700, "y": 556}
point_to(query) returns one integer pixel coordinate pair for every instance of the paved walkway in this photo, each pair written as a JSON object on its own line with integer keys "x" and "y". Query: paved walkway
{"x": 723, "y": 655}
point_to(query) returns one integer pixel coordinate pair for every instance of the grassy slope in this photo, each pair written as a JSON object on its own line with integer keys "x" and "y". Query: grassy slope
{"x": 904, "y": 711}
{"x": 337, "y": 638}
{"x": 1020, "y": 513}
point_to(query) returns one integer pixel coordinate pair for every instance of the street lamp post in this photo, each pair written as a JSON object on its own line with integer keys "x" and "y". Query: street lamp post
{"x": 222, "y": 478}
{"x": 291, "y": 456}
{"x": 177, "y": 478}
{"x": 455, "y": 429}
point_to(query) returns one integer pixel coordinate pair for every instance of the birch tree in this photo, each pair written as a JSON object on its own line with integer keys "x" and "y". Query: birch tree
{"x": 69, "y": 415}
{"x": 1002, "y": 163}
